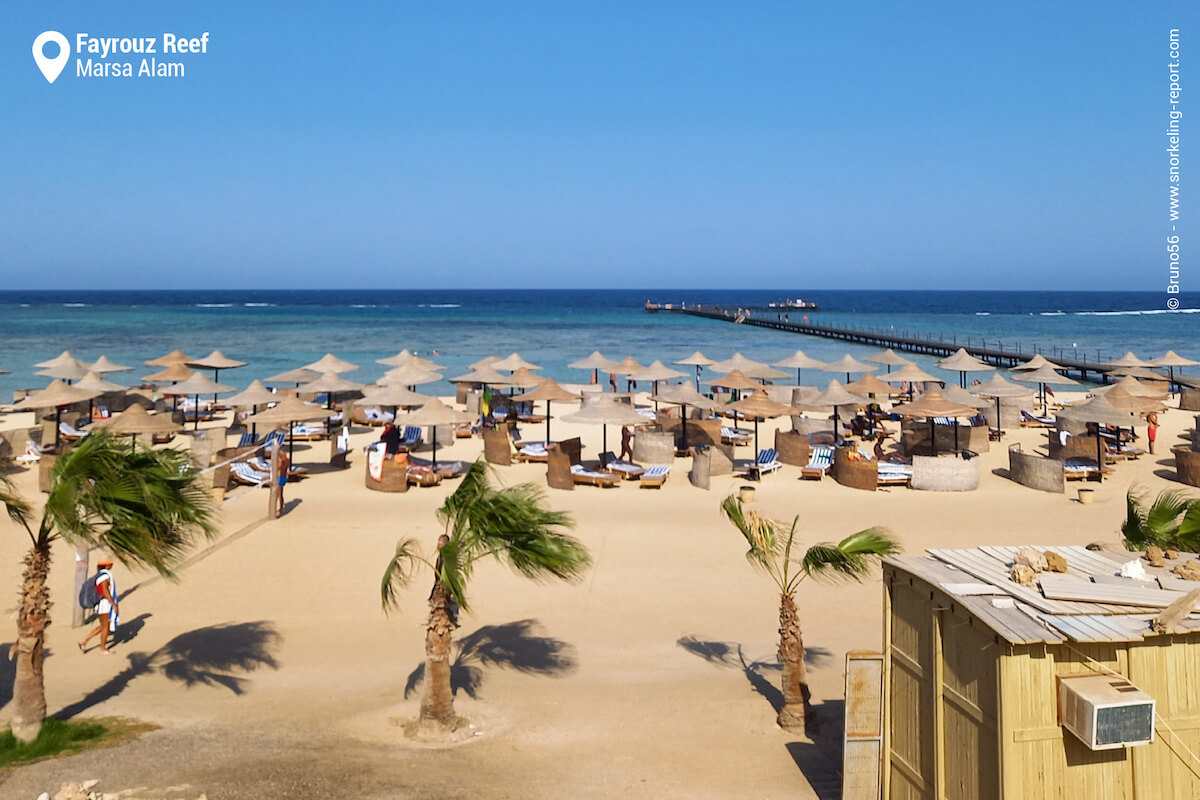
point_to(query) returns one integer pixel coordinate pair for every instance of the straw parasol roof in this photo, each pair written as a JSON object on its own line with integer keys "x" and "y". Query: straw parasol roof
{"x": 434, "y": 413}
{"x": 736, "y": 361}
{"x": 331, "y": 363}
{"x": 627, "y": 367}
{"x": 888, "y": 357}
{"x": 656, "y": 371}
{"x": 102, "y": 365}
{"x": 956, "y": 394}
{"x": 1124, "y": 401}
{"x": 330, "y": 382}
{"x": 522, "y": 378}
{"x": 1127, "y": 360}
{"x": 684, "y": 394}
{"x": 197, "y": 384}
{"x": 1044, "y": 374}
{"x": 847, "y": 363}
{"x": 392, "y": 395}
{"x": 605, "y": 410}
{"x": 64, "y": 357}
{"x": 835, "y": 395}
{"x": 173, "y": 372}
{"x": 484, "y": 374}
{"x": 997, "y": 386}
{"x": 909, "y": 372}
{"x": 298, "y": 375}
{"x": 1136, "y": 372}
{"x": 548, "y": 391}
{"x": 594, "y": 361}
{"x": 800, "y": 360}
{"x": 94, "y": 380}
{"x": 288, "y": 410}
{"x": 933, "y": 403}
{"x": 869, "y": 384}
{"x": 1100, "y": 411}
{"x": 56, "y": 394}
{"x": 136, "y": 419}
{"x": 1172, "y": 359}
{"x": 1133, "y": 387}
{"x": 71, "y": 370}
{"x": 760, "y": 406}
{"x": 696, "y": 359}
{"x": 962, "y": 361}
{"x": 173, "y": 357}
{"x": 406, "y": 358}
{"x": 409, "y": 375}
{"x": 253, "y": 395}
{"x": 1037, "y": 362}
{"x": 216, "y": 360}
{"x": 514, "y": 362}
{"x": 736, "y": 379}
{"x": 486, "y": 361}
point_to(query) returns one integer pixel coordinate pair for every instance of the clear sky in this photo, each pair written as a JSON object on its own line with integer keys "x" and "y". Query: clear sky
{"x": 406, "y": 144}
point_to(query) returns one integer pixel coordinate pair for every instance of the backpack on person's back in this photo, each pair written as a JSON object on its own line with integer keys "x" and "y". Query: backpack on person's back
{"x": 89, "y": 595}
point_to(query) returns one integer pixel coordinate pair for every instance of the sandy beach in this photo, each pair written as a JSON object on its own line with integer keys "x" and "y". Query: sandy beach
{"x": 272, "y": 672}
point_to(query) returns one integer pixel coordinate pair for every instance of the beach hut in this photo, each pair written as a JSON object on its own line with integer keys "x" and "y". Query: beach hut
{"x": 1134, "y": 387}
{"x": 548, "y": 391}
{"x": 406, "y": 358}
{"x": 912, "y": 375}
{"x": 94, "y": 380}
{"x": 254, "y": 395}
{"x": 1072, "y": 685}
{"x": 870, "y": 385}
{"x": 799, "y": 360}
{"x": 697, "y": 360}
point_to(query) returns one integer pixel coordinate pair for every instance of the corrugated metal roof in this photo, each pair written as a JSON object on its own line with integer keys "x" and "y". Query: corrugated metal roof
{"x": 1088, "y": 603}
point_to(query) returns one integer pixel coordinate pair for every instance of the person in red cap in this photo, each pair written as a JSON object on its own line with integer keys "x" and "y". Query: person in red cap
{"x": 106, "y": 610}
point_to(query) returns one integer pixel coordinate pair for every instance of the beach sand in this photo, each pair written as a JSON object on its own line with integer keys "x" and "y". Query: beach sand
{"x": 273, "y": 673}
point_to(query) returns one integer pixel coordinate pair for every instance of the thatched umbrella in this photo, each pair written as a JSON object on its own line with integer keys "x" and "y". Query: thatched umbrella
{"x": 297, "y": 376}
{"x": 197, "y": 385}
{"x": 103, "y": 366}
{"x": 289, "y": 411}
{"x": 735, "y": 379}
{"x": 513, "y": 362}
{"x": 889, "y": 358}
{"x": 435, "y": 413}
{"x": 406, "y": 358}
{"x": 331, "y": 363}
{"x": 847, "y": 364}
{"x": 95, "y": 381}
{"x": 216, "y": 361}
{"x": 869, "y": 384}
{"x": 65, "y": 357}
{"x": 173, "y": 357}
{"x": 484, "y": 376}
{"x": 1044, "y": 376}
{"x": 604, "y": 410}
{"x": 911, "y": 374}
{"x": 522, "y": 378}
{"x": 394, "y": 396}
{"x": 172, "y": 373}
{"x": 136, "y": 420}
{"x": 957, "y": 394}
{"x": 596, "y": 363}
{"x": 1099, "y": 411}
{"x": 697, "y": 360}
{"x": 549, "y": 391}
{"x": 330, "y": 384}
{"x": 748, "y": 367}
{"x": 1134, "y": 387}
{"x": 835, "y": 395}
{"x": 798, "y": 361}
{"x": 963, "y": 362}
{"x": 627, "y": 367}
{"x": 684, "y": 395}
{"x": 760, "y": 406}
{"x": 409, "y": 375}
{"x": 486, "y": 361}
{"x": 1124, "y": 401}
{"x": 1037, "y": 362}
{"x": 254, "y": 395}
{"x": 997, "y": 387}
{"x": 1171, "y": 360}
{"x": 57, "y": 395}
{"x": 1135, "y": 372}
{"x": 1127, "y": 360}
{"x": 67, "y": 370}
{"x": 932, "y": 404}
{"x": 655, "y": 372}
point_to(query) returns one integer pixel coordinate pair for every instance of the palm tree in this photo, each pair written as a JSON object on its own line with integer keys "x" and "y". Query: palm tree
{"x": 771, "y": 544}
{"x": 143, "y": 506}
{"x": 1170, "y": 521}
{"x": 479, "y": 520}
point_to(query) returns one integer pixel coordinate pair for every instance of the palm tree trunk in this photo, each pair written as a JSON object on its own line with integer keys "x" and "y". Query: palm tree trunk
{"x": 796, "y": 694}
{"x": 29, "y": 688}
{"x": 437, "y": 704}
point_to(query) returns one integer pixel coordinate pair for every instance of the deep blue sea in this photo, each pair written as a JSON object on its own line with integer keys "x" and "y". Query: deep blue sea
{"x": 278, "y": 330}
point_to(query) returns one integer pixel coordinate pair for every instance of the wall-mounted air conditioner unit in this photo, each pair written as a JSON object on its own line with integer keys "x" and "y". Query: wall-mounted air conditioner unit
{"x": 1105, "y": 712}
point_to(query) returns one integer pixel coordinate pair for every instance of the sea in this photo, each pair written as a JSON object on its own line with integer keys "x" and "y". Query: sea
{"x": 277, "y": 330}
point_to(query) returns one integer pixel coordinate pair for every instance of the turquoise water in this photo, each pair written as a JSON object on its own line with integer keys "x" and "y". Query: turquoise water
{"x": 277, "y": 330}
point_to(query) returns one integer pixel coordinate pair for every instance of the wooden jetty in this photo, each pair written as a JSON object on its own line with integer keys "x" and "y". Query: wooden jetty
{"x": 996, "y": 353}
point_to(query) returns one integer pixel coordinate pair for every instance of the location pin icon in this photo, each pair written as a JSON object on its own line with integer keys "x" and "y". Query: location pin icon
{"x": 51, "y": 67}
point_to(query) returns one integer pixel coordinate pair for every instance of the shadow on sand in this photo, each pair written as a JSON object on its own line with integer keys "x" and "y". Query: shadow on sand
{"x": 731, "y": 655}
{"x": 820, "y": 761}
{"x": 514, "y": 645}
{"x": 209, "y": 656}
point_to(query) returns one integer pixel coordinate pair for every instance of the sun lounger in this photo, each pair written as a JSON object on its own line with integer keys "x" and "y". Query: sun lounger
{"x": 243, "y": 473}
{"x": 374, "y": 417}
{"x": 626, "y": 469}
{"x": 818, "y": 464}
{"x": 1029, "y": 420}
{"x": 262, "y": 465}
{"x": 309, "y": 432}
{"x": 587, "y": 477}
{"x": 735, "y": 436}
{"x": 32, "y": 454}
{"x": 654, "y": 476}
{"x": 248, "y": 440}
{"x": 69, "y": 433}
{"x": 532, "y": 452}
{"x": 892, "y": 473}
{"x": 412, "y": 438}
{"x": 1078, "y": 469}
{"x": 273, "y": 438}
{"x": 766, "y": 461}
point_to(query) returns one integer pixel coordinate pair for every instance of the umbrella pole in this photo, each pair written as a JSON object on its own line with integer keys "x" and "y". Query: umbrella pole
{"x": 57, "y": 428}
{"x": 547, "y": 422}
{"x": 604, "y": 449}
{"x": 797, "y": 376}
{"x": 999, "y": 427}
{"x": 933, "y": 436}
{"x": 196, "y": 403}
{"x": 1100, "y": 454}
{"x": 955, "y": 433}
{"x": 756, "y": 437}
{"x": 683, "y": 415}
{"x": 216, "y": 375}
{"x": 835, "y": 425}
{"x": 435, "y": 448}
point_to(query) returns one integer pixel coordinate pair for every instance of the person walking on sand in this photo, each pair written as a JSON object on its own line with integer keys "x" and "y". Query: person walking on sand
{"x": 106, "y": 608}
{"x": 285, "y": 464}
{"x": 626, "y": 442}
{"x": 1152, "y": 429}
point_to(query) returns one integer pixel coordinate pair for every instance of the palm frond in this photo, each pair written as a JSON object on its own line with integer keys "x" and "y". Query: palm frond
{"x": 454, "y": 568}
{"x": 18, "y": 508}
{"x": 761, "y": 533}
{"x": 852, "y": 557}
{"x": 147, "y": 507}
{"x": 474, "y": 484}
{"x": 1154, "y": 522}
{"x": 399, "y": 573}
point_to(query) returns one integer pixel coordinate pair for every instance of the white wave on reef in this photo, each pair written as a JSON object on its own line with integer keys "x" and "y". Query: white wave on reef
{"x": 440, "y": 305}
{"x": 983, "y": 313}
{"x": 76, "y": 305}
{"x": 1052, "y": 314}
{"x": 258, "y": 305}
{"x": 214, "y": 305}
{"x": 1146, "y": 312}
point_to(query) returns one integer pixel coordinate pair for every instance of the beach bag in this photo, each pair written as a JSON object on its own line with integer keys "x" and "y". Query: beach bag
{"x": 89, "y": 596}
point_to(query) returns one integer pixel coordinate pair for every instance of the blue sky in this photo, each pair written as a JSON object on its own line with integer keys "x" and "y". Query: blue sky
{"x": 791, "y": 145}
